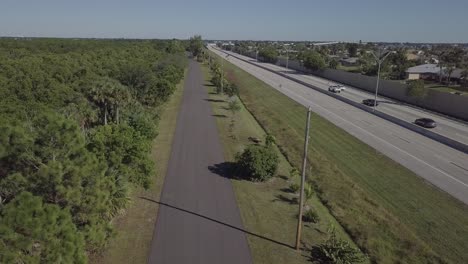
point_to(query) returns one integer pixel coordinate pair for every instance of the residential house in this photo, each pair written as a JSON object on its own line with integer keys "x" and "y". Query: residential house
{"x": 424, "y": 72}
{"x": 353, "y": 61}
{"x": 432, "y": 71}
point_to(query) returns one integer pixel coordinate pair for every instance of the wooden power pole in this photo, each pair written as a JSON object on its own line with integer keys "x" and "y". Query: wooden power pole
{"x": 301, "y": 198}
{"x": 222, "y": 74}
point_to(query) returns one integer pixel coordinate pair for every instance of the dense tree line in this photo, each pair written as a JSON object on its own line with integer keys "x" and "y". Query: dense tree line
{"x": 313, "y": 60}
{"x": 269, "y": 54}
{"x": 77, "y": 121}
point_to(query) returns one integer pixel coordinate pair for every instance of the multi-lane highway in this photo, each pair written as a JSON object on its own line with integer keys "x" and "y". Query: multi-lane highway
{"x": 453, "y": 129}
{"x": 439, "y": 164}
{"x": 456, "y": 130}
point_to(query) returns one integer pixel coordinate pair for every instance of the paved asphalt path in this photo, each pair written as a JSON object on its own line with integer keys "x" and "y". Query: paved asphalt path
{"x": 439, "y": 164}
{"x": 198, "y": 219}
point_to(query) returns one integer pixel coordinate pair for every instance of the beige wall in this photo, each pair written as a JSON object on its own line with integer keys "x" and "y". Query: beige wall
{"x": 413, "y": 76}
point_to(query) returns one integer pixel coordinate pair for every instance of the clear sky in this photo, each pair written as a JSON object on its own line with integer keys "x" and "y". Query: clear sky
{"x": 346, "y": 20}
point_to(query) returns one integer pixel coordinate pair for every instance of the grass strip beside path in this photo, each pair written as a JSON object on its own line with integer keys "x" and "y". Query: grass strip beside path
{"x": 269, "y": 210}
{"x": 135, "y": 227}
{"x": 389, "y": 211}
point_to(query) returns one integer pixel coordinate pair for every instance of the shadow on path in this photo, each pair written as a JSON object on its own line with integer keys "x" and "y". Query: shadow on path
{"x": 218, "y": 222}
{"x": 224, "y": 169}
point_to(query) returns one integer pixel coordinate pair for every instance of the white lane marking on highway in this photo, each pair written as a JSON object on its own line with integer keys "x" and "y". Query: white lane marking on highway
{"x": 364, "y": 121}
{"x": 460, "y": 135}
{"x": 386, "y": 142}
{"x": 402, "y": 138}
{"x": 453, "y": 163}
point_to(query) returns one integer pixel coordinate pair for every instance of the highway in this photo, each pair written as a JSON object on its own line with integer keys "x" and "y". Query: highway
{"x": 447, "y": 127}
{"x": 453, "y": 129}
{"x": 439, "y": 164}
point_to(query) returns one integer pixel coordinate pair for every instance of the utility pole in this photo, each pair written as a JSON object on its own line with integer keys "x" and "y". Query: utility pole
{"x": 287, "y": 58}
{"x": 377, "y": 86}
{"x": 222, "y": 75}
{"x": 379, "y": 60}
{"x": 301, "y": 197}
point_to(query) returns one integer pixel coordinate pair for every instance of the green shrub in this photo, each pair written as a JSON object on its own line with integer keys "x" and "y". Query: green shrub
{"x": 231, "y": 90}
{"x": 308, "y": 191}
{"x": 310, "y": 216}
{"x": 293, "y": 173}
{"x": 416, "y": 89}
{"x": 257, "y": 163}
{"x": 218, "y": 80}
{"x": 333, "y": 64}
{"x": 335, "y": 250}
{"x": 269, "y": 54}
{"x": 313, "y": 60}
{"x": 294, "y": 187}
{"x": 270, "y": 140}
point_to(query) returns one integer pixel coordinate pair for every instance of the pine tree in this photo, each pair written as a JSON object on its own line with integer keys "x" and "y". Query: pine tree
{"x": 34, "y": 232}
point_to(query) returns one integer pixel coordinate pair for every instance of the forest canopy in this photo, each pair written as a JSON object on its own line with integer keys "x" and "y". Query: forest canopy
{"x": 77, "y": 119}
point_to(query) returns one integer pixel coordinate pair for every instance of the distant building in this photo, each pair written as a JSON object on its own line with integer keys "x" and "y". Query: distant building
{"x": 349, "y": 61}
{"x": 455, "y": 76}
{"x": 424, "y": 71}
{"x": 431, "y": 71}
{"x": 334, "y": 57}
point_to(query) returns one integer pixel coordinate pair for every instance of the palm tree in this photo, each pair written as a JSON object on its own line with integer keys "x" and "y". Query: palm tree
{"x": 98, "y": 95}
{"x": 107, "y": 92}
{"x": 119, "y": 98}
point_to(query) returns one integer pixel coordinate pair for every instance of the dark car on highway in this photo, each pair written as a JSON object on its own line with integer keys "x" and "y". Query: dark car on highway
{"x": 425, "y": 122}
{"x": 370, "y": 102}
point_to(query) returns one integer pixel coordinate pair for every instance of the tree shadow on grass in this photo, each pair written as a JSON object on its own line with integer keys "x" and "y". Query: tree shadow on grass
{"x": 215, "y": 100}
{"x": 217, "y": 222}
{"x": 282, "y": 198}
{"x": 286, "y": 190}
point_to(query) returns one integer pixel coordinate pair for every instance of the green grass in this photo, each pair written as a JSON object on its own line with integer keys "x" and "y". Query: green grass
{"x": 356, "y": 68}
{"x": 389, "y": 211}
{"x": 447, "y": 89}
{"x": 267, "y": 208}
{"x": 135, "y": 227}
{"x": 444, "y": 88}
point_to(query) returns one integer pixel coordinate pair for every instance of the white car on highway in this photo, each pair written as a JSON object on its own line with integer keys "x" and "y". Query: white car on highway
{"x": 336, "y": 88}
